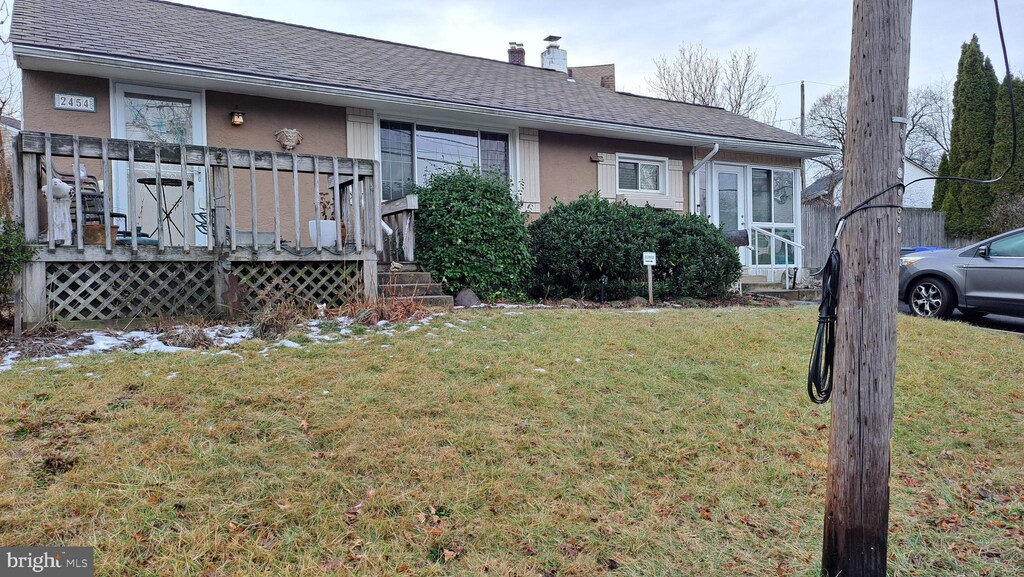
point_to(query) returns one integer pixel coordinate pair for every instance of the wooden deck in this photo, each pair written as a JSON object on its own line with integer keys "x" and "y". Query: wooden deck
{"x": 232, "y": 229}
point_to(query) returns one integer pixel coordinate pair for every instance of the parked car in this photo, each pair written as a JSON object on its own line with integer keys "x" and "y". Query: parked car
{"x": 986, "y": 277}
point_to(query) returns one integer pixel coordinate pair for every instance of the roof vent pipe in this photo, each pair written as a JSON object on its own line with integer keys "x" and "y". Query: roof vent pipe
{"x": 554, "y": 58}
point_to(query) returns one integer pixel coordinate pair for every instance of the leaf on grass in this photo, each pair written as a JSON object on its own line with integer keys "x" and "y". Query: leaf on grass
{"x": 910, "y": 481}
{"x": 304, "y": 426}
{"x": 705, "y": 513}
{"x": 353, "y": 513}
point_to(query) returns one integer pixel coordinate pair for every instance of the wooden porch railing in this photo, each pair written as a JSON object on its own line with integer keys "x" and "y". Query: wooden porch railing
{"x": 400, "y": 229}
{"x": 195, "y": 255}
{"x": 217, "y": 215}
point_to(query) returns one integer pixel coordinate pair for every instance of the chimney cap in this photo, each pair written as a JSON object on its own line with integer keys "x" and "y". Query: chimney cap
{"x": 553, "y": 40}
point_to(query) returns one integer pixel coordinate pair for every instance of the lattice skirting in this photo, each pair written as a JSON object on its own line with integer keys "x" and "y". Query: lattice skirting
{"x": 100, "y": 291}
{"x": 303, "y": 283}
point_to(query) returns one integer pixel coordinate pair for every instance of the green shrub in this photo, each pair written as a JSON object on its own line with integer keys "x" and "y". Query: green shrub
{"x": 575, "y": 244}
{"x": 14, "y": 254}
{"x": 471, "y": 234}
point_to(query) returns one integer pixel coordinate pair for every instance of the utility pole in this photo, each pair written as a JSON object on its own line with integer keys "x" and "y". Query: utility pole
{"x": 857, "y": 494}
{"x": 803, "y": 131}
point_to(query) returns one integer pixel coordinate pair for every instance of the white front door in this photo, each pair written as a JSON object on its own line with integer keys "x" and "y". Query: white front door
{"x": 160, "y": 115}
{"x": 729, "y": 200}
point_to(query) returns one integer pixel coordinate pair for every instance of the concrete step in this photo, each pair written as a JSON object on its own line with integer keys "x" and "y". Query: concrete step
{"x": 411, "y": 290}
{"x": 789, "y": 295}
{"x": 389, "y": 278}
{"x": 432, "y": 301}
{"x": 753, "y": 278}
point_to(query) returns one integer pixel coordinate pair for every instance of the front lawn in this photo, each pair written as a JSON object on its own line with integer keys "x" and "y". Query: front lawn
{"x": 525, "y": 443}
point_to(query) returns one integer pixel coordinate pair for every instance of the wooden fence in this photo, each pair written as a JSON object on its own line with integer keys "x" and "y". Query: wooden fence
{"x": 920, "y": 227}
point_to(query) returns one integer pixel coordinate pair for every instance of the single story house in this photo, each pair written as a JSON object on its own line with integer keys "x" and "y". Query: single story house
{"x": 211, "y": 139}
{"x": 829, "y": 188}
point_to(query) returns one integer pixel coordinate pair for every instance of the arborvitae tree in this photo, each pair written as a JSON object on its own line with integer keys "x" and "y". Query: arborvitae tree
{"x": 1008, "y": 208}
{"x": 941, "y": 186}
{"x": 970, "y": 155}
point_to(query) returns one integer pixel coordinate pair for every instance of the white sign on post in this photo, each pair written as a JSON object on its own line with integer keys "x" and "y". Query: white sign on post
{"x": 650, "y": 261}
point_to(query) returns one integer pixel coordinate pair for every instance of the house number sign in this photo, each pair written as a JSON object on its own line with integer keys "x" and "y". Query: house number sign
{"x": 75, "y": 102}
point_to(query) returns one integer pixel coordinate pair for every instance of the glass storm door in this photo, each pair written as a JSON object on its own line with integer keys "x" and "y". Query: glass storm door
{"x": 729, "y": 200}
{"x": 160, "y": 115}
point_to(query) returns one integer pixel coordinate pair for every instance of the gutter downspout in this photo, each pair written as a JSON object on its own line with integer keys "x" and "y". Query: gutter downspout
{"x": 695, "y": 207}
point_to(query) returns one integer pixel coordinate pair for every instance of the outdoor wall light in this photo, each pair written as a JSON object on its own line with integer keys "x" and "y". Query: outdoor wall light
{"x": 237, "y": 118}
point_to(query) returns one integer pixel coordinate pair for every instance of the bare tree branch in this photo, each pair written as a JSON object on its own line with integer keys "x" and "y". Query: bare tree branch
{"x": 695, "y": 75}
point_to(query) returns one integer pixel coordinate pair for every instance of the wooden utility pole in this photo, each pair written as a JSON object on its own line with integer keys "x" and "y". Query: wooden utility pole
{"x": 857, "y": 495}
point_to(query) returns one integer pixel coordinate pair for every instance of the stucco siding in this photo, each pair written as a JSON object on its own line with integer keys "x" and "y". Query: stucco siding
{"x": 569, "y": 162}
{"x": 40, "y": 115}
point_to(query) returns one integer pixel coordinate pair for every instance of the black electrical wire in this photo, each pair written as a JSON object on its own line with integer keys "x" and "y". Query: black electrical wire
{"x": 820, "y": 367}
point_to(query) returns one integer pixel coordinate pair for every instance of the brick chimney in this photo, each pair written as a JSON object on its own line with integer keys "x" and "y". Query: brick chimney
{"x": 554, "y": 58}
{"x": 516, "y": 54}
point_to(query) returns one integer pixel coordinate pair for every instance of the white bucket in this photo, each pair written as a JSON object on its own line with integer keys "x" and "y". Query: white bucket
{"x": 328, "y": 232}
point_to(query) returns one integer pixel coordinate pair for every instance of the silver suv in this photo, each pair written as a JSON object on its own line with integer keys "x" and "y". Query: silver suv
{"x": 986, "y": 277}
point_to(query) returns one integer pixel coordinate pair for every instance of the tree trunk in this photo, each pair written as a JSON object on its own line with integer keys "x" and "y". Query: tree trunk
{"x": 857, "y": 496}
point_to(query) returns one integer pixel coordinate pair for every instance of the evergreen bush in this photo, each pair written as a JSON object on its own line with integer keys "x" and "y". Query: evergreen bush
{"x": 15, "y": 252}
{"x": 471, "y": 234}
{"x": 578, "y": 244}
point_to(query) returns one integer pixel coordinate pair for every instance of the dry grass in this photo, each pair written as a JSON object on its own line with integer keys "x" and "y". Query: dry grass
{"x": 391, "y": 310}
{"x": 542, "y": 442}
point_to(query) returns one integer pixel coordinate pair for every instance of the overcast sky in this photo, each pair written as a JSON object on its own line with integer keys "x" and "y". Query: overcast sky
{"x": 794, "y": 39}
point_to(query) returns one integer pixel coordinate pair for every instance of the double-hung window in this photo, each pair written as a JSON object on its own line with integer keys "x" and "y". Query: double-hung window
{"x": 641, "y": 175}
{"x": 410, "y": 153}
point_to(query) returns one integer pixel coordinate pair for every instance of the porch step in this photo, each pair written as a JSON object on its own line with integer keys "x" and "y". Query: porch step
{"x": 432, "y": 301}
{"x": 410, "y": 282}
{"x": 812, "y": 295}
{"x": 389, "y": 278}
{"x": 410, "y": 290}
{"x": 753, "y": 279}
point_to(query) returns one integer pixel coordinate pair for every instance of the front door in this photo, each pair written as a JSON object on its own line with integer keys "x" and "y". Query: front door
{"x": 160, "y": 115}
{"x": 729, "y": 200}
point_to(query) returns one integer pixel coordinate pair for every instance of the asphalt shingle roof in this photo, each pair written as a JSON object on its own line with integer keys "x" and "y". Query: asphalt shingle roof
{"x": 159, "y": 31}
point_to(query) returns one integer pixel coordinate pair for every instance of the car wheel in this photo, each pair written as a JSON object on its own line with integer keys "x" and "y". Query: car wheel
{"x": 932, "y": 297}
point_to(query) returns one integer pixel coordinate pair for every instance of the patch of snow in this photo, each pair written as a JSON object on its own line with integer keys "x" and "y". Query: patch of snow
{"x": 102, "y": 342}
{"x": 579, "y": 360}
{"x": 514, "y": 314}
{"x": 155, "y": 346}
{"x": 171, "y": 376}
{"x": 326, "y": 392}
{"x": 643, "y": 311}
{"x": 288, "y": 344}
{"x": 229, "y": 353}
{"x": 541, "y": 370}
{"x": 413, "y": 329}
{"x": 8, "y": 361}
{"x": 385, "y": 346}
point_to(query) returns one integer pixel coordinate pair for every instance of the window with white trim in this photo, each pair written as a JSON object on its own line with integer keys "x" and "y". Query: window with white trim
{"x": 410, "y": 153}
{"x": 640, "y": 174}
